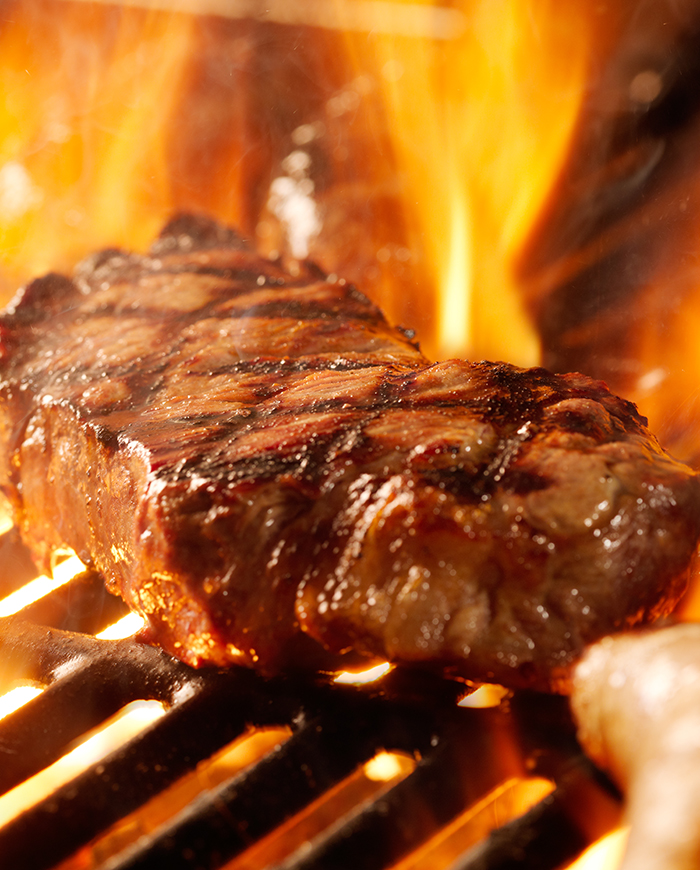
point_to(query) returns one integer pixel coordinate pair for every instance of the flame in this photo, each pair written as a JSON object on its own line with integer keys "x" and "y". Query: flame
{"x": 488, "y": 695}
{"x": 81, "y": 130}
{"x": 6, "y": 522}
{"x": 605, "y": 854}
{"x": 361, "y": 678}
{"x": 336, "y": 806}
{"x": 480, "y": 125}
{"x": 446, "y": 126}
{"x": 221, "y": 768}
{"x": 16, "y": 698}
{"x": 118, "y": 730}
{"x": 68, "y": 567}
{"x": 125, "y": 627}
{"x": 63, "y": 571}
{"x": 459, "y": 116}
{"x": 506, "y": 802}
{"x": 447, "y": 135}
{"x": 669, "y": 362}
{"x": 384, "y": 767}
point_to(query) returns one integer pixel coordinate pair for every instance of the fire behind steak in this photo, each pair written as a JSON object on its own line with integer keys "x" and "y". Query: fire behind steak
{"x": 273, "y": 476}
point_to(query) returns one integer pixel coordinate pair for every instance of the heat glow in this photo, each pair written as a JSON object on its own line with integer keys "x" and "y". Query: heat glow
{"x": 606, "y": 854}
{"x": 454, "y": 128}
{"x": 418, "y": 141}
{"x": 412, "y": 147}
{"x": 34, "y": 590}
{"x": 118, "y": 730}
{"x": 480, "y": 125}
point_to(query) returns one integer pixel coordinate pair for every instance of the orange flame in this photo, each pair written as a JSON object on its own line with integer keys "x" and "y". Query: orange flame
{"x": 481, "y": 122}
{"x": 81, "y": 130}
{"x": 427, "y": 138}
{"x": 606, "y": 854}
{"x": 423, "y": 143}
{"x": 454, "y": 128}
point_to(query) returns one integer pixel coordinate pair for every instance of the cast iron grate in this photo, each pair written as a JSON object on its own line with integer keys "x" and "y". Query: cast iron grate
{"x": 462, "y": 754}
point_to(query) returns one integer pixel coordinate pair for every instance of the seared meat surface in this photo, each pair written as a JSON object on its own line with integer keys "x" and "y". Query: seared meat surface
{"x": 273, "y": 476}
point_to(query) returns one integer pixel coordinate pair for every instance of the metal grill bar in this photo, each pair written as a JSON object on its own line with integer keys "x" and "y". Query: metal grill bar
{"x": 349, "y": 731}
{"x": 462, "y": 755}
{"x": 549, "y": 835}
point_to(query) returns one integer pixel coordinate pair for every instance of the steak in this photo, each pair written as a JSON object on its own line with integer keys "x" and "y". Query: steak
{"x": 273, "y": 476}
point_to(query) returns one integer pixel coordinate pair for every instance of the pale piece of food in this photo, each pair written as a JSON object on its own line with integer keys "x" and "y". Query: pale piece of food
{"x": 636, "y": 700}
{"x": 273, "y": 476}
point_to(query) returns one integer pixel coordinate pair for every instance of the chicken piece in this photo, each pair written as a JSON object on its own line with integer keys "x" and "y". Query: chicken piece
{"x": 636, "y": 699}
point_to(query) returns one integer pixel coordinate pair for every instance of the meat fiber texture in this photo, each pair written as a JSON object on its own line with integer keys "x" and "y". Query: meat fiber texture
{"x": 273, "y": 476}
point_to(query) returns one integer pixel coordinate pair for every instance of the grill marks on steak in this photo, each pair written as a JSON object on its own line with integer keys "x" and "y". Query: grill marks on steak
{"x": 272, "y": 475}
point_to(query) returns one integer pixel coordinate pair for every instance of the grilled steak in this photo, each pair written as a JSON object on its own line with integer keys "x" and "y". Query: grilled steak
{"x": 273, "y": 476}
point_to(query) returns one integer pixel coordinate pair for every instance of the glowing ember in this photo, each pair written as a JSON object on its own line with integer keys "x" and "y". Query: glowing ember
{"x": 361, "y": 678}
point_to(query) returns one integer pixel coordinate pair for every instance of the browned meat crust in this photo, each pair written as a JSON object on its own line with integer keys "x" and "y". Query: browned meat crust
{"x": 272, "y": 475}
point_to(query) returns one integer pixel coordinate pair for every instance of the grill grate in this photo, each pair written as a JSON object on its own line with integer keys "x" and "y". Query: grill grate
{"x": 461, "y": 755}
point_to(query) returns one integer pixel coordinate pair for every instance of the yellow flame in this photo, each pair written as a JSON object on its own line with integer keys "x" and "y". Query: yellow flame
{"x": 605, "y": 854}
{"x": 41, "y": 586}
{"x": 86, "y": 98}
{"x": 480, "y": 125}
{"x": 412, "y": 18}
{"x": 17, "y": 697}
{"x": 125, "y": 627}
{"x": 506, "y": 802}
{"x": 361, "y": 678}
{"x": 121, "y": 728}
{"x": 386, "y": 766}
{"x": 479, "y": 100}
{"x": 335, "y": 806}
{"x": 6, "y": 522}
{"x": 208, "y": 774}
{"x": 488, "y": 695}
{"x": 455, "y": 301}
